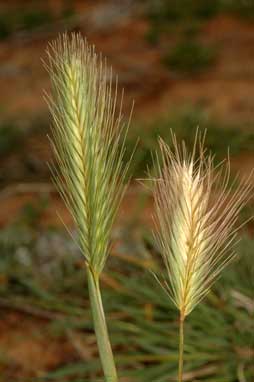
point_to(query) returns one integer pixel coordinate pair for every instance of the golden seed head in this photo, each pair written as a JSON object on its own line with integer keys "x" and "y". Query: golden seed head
{"x": 196, "y": 212}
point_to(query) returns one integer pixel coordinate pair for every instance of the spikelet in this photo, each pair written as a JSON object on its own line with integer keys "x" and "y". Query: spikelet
{"x": 196, "y": 215}
{"x": 87, "y": 135}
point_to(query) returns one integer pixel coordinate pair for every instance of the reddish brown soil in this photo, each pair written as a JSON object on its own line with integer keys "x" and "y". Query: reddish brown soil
{"x": 29, "y": 348}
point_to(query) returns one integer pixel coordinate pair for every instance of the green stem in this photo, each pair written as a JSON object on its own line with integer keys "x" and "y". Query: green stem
{"x": 100, "y": 328}
{"x": 181, "y": 348}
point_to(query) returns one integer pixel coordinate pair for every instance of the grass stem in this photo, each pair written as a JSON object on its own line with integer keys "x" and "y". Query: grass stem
{"x": 181, "y": 348}
{"x": 100, "y": 328}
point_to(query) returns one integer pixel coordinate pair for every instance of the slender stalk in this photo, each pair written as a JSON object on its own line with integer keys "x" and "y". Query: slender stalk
{"x": 181, "y": 348}
{"x": 100, "y": 328}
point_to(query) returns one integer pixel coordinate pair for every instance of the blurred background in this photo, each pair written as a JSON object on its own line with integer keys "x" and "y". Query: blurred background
{"x": 185, "y": 64}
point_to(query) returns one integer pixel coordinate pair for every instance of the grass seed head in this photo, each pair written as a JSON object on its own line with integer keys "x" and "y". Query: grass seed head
{"x": 196, "y": 215}
{"x": 86, "y": 139}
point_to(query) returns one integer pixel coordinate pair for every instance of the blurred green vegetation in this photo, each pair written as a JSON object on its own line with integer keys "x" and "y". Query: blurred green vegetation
{"x": 32, "y": 212}
{"x": 10, "y": 137}
{"x": 220, "y": 136}
{"x": 182, "y": 22}
{"x": 189, "y": 57}
{"x": 40, "y": 274}
{"x": 239, "y": 8}
{"x": 29, "y": 18}
{"x": 34, "y": 18}
{"x": 18, "y": 149}
{"x": 173, "y": 11}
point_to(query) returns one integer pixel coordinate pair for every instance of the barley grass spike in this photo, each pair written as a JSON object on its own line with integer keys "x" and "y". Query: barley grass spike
{"x": 88, "y": 142}
{"x": 196, "y": 222}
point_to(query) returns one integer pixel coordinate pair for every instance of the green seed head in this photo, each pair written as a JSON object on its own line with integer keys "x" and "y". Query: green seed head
{"x": 87, "y": 136}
